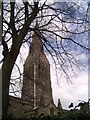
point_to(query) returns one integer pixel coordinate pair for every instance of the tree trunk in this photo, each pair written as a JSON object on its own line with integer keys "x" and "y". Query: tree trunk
{"x": 10, "y": 58}
{"x": 6, "y": 73}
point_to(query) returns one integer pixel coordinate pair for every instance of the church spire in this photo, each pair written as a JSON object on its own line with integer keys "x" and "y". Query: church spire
{"x": 36, "y": 79}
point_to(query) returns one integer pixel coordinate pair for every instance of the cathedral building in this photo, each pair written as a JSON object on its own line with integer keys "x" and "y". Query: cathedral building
{"x": 36, "y": 91}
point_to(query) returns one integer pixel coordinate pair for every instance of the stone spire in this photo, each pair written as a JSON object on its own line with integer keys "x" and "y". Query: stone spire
{"x": 36, "y": 79}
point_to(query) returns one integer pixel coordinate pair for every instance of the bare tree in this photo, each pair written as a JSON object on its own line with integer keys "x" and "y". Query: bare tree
{"x": 57, "y": 34}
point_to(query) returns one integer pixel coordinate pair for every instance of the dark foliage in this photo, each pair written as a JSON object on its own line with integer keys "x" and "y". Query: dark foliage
{"x": 79, "y": 116}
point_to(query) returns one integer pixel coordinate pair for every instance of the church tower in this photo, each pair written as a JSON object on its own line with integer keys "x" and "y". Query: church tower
{"x": 36, "y": 80}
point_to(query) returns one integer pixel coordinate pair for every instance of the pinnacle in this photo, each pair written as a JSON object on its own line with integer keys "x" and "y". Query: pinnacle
{"x": 37, "y": 26}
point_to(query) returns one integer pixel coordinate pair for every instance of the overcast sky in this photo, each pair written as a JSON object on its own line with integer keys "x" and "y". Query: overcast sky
{"x": 76, "y": 91}
{"x": 68, "y": 93}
